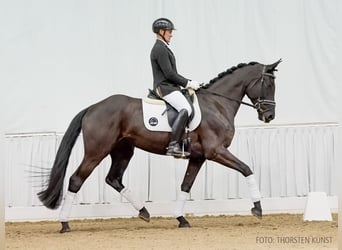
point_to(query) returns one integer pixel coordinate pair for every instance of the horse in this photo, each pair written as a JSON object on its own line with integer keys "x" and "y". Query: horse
{"x": 114, "y": 126}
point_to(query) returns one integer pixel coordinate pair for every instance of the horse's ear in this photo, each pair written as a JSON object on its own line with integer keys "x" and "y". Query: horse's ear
{"x": 272, "y": 67}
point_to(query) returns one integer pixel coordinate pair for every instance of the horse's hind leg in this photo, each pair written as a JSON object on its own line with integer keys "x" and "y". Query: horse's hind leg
{"x": 75, "y": 182}
{"x": 121, "y": 156}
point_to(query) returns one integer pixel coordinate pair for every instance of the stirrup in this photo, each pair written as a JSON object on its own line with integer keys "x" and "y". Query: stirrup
{"x": 174, "y": 150}
{"x": 177, "y": 151}
{"x": 186, "y": 148}
{"x": 184, "y": 155}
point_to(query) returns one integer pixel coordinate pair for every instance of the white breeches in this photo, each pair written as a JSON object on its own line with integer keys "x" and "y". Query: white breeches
{"x": 178, "y": 101}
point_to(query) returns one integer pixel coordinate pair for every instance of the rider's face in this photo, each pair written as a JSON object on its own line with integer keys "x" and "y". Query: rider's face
{"x": 167, "y": 35}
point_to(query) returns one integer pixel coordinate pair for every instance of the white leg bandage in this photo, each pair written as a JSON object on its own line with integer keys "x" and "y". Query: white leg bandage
{"x": 253, "y": 188}
{"x": 66, "y": 207}
{"x": 129, "y": 196}
{"x": 179, "y": 210}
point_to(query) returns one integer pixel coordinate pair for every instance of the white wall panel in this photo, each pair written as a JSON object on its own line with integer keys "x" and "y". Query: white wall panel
{"x": 288, "y": 161}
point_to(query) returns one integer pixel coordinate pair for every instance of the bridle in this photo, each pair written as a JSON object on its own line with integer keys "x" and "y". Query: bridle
{"x": 261, "y": 101}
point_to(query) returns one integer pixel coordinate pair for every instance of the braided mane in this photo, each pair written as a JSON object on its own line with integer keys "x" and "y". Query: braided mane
{"x": 227, "y": 72}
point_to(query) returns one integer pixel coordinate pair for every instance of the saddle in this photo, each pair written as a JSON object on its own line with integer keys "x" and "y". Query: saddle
{"x": 170, "y": 110}
{"x": 158, "y": 115}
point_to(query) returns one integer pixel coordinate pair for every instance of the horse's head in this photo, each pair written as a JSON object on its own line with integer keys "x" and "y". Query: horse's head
{"x": 261, "y": 92}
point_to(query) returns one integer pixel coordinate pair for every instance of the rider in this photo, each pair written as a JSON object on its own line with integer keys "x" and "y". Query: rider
{"x": 168, "y": 83}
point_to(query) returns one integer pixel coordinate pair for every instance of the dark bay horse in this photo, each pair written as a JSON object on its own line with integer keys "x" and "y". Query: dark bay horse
{"x": 115, "y": 127}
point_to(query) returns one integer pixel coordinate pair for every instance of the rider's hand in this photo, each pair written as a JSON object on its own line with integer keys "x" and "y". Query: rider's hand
{"x": 193, "y": 84}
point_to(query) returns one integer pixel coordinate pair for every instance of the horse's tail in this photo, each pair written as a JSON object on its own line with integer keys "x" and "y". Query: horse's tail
{"x": 52, "y": 195}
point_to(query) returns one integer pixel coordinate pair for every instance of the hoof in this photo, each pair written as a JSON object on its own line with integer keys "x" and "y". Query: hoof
{"x": 256, "y": 212}
{"x": 183, "y": 223}
{"x": 65, "y": 228}
{"x": 144, "y": 214}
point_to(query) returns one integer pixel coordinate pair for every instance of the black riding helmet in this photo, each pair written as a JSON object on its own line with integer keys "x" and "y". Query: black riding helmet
{"x": 162, "y": 24}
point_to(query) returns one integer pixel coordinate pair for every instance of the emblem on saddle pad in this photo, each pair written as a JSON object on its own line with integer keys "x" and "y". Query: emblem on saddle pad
{"x": 156, "y": 118}
{"x": 153, "y": 121}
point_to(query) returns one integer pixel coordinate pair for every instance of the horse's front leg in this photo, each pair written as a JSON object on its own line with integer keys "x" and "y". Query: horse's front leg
{"x": 192, "y": 170}
{"x": 223, "y": 156}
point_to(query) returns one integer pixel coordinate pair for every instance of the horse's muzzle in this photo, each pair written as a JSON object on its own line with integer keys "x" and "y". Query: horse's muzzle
{"x": 266, "y": 117}
{"x": 266, "y": 109}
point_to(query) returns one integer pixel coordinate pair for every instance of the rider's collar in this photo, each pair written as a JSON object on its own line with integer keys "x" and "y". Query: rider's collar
{"x": 164, "y": 42}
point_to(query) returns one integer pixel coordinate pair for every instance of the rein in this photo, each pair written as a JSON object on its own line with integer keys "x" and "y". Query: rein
{"x": 229, "y": 98}
{"x": 261, "y": 101}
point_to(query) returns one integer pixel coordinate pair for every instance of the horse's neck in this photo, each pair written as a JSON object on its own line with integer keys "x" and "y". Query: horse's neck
{"x": 233, "y": 88}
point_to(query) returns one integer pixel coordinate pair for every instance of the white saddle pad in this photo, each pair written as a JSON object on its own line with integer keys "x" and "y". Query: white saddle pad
{"x": 155, "y": 116}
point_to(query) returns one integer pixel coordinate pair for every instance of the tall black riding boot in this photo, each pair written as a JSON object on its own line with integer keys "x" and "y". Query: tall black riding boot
{"x": 178, "y": 129}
